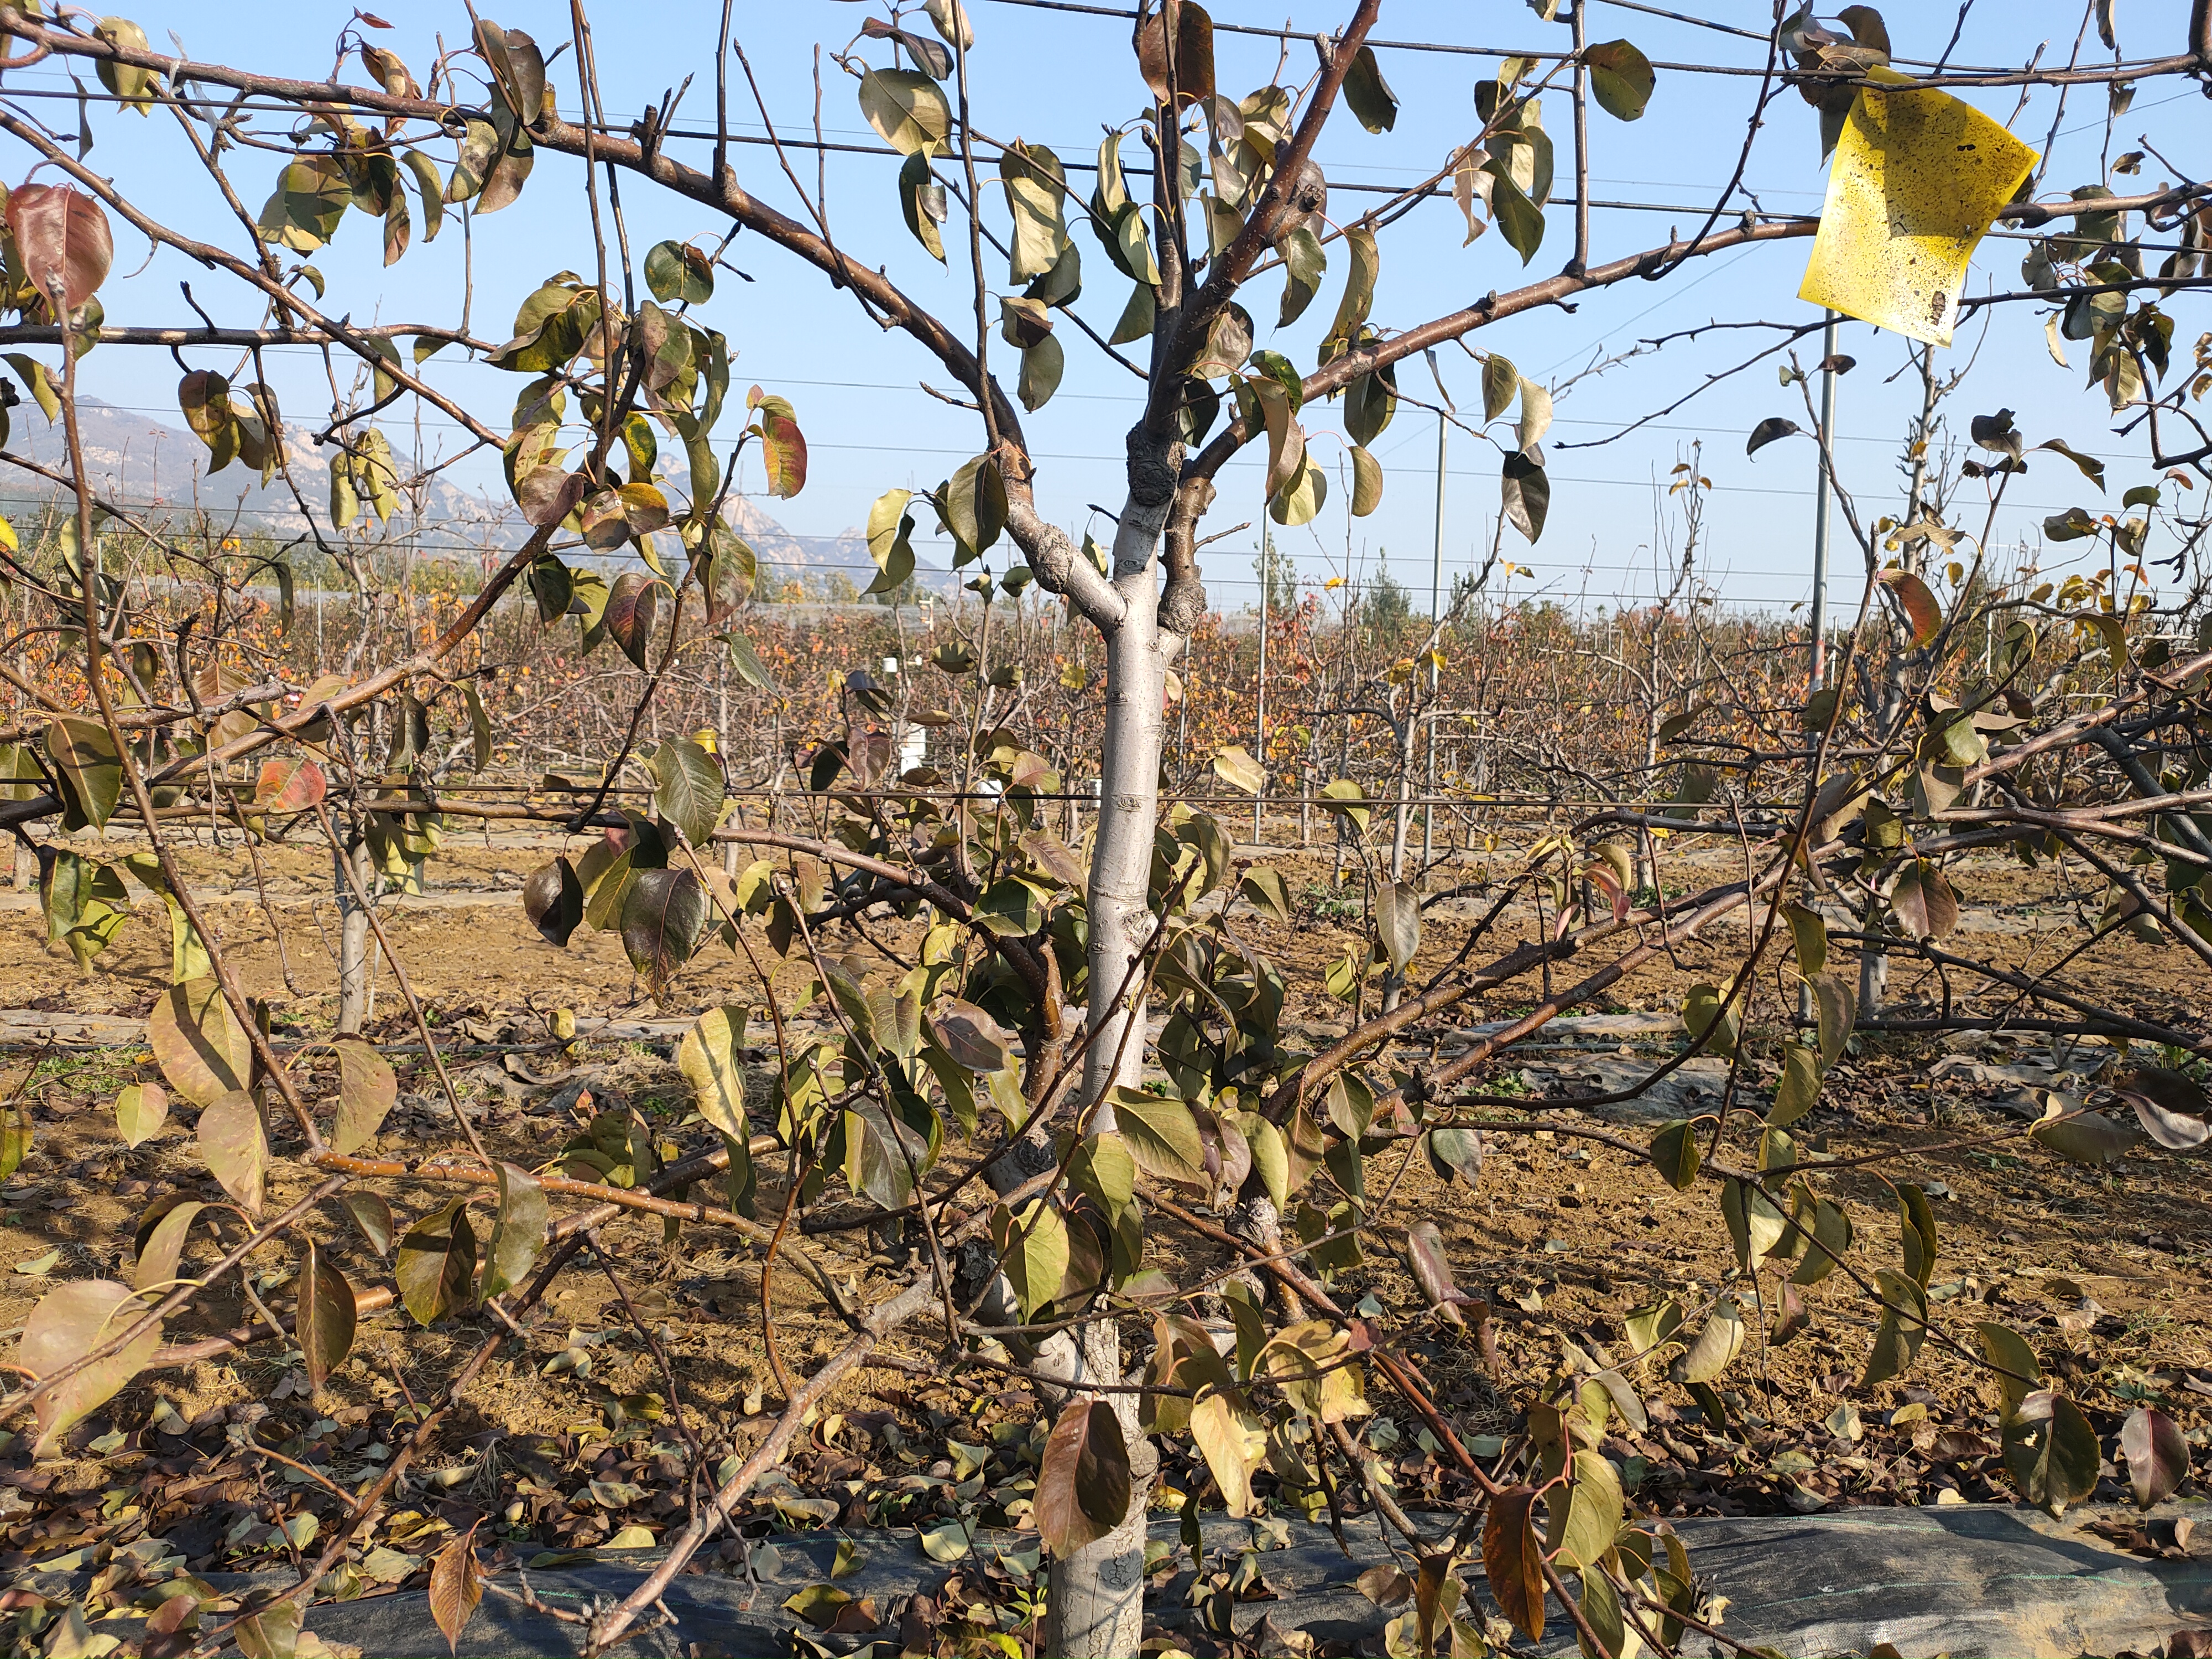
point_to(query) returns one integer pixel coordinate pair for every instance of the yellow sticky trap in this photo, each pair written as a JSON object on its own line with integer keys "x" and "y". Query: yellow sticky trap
{"x": 1918, "y": 177}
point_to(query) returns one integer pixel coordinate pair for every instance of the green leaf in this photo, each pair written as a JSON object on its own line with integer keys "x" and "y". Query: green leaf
{"x": 1674, "y": 1154}
{"x": 1583, "y": 1527}
{"x": 922, "y": 199}
{"x": 1837, "y": 999}
{"x": 1501, "y": 384}
{"x": 437, "y": 1264}
{"x": 1917, "y": 1227}
{"x": 676, "y": 271}
{"x": 1525, "y": 491}
{"x": 1301, "y": 500}
{"x": 1161, "y": 1135}
{"x": 1519, "y": 219}
{"x": 687, "y": 789}
{"x": 1620, "y": 78}
{"x": 198, "y": 1045}
{"x": 1800, "y": 1085}
{"x": 235, "y": 1148}
{"x": 1034, "y": 1246}
{"x": 367, "y": 1090}
{"x": 1398, "y": 921}
{"x": 1368, "y": 94}
{"x": 665, "y": 916}
{"x": 140, "y": 1111}
{"x": 1716, "y": 1345}
{"x": 1904, "y": 1326}
{"x": 1235, "y": 766}
{"x": 1755, "y": 1227}
{"x": 1809, "y": 936}
{"x": 711, "y": 1060}
{"x": 908, "y": 109}
{"x": 518, "y": 1233}
{"x": 2006, "y": 1349}
{"x": 1036, "y": 186}
{"x": 88, "y": 769}
{"x": 1702, "y": 1013}
{"x": 1043, "y": 364}
{"x": 1303, "y": 265}
{"x": 747, "y": 663}
{"x": 1366, "y": 482}
{"x": 432, "y": 190}
{"x": 1232, "y": 1441}
{"x": 1100, "y": 1166}
{"x": 975, "y": 507}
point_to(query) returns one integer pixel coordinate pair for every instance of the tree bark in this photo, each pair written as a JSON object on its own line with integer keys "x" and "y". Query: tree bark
{"x": 1096, "y": 1594}
{"x": 353, "y": 936}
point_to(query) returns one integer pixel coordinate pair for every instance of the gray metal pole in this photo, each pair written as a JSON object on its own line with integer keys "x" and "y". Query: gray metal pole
{"x": 1260, "y": 738}
{"x": 1436, "y": 610}
{"x": 1819, "y": 668}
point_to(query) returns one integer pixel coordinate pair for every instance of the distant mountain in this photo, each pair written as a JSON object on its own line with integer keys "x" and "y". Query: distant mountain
{"x": 149, "y": 467}
{"x": 784, "y": 555}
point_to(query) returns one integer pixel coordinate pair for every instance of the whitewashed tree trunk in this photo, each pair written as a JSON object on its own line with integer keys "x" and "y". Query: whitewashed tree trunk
{"x": 353, "y": 935}
{"x": 1097, "y": 1593}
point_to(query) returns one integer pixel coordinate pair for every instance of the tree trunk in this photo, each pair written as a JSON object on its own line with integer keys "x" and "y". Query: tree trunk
{"x": 353, "y": 936}
{"x": 1097, "y": 1593}
{"x": 1393, "y": 982}
{"x": 1874, "y": 965}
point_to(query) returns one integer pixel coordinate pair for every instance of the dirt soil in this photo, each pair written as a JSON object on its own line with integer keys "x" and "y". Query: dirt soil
{"x": 581, "y": 1431}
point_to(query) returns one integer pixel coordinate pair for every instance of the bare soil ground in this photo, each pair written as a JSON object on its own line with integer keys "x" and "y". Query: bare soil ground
{"x": 583, "y": 1431}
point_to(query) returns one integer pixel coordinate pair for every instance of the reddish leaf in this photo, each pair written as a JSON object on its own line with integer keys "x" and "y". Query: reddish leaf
{"x": 2170, "y": 1105}
{"x": 1083, "y": 1486}
{"x": 160, "y": 1244}
{"x": 553, "y": 899}
{"x": 783, "y": 446}
{"x": 1916, "y": 601}
{"x": 632, "y": 606}
{"x": 62, "y": 238}
{"x": 2158, "y": 1457}
{"x": 69, "y": 1321}
{"x": 292, "y": 786}
{"x": 1512, "y": 1556}
{"x": 1194, "y": 55}
{"x": 325, "y": 1324}
{"x": 548, "y": 495}
{"x": 235, "y": 1146}
{"x": 1794, "y": 1318}
{"x": 1923, "y": 901}
{"x": 1424, "y": 1254}
{"x": 967, "y": 1035}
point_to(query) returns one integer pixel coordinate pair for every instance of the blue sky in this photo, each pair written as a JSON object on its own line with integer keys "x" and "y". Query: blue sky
{"x": 1057, "y": 78}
